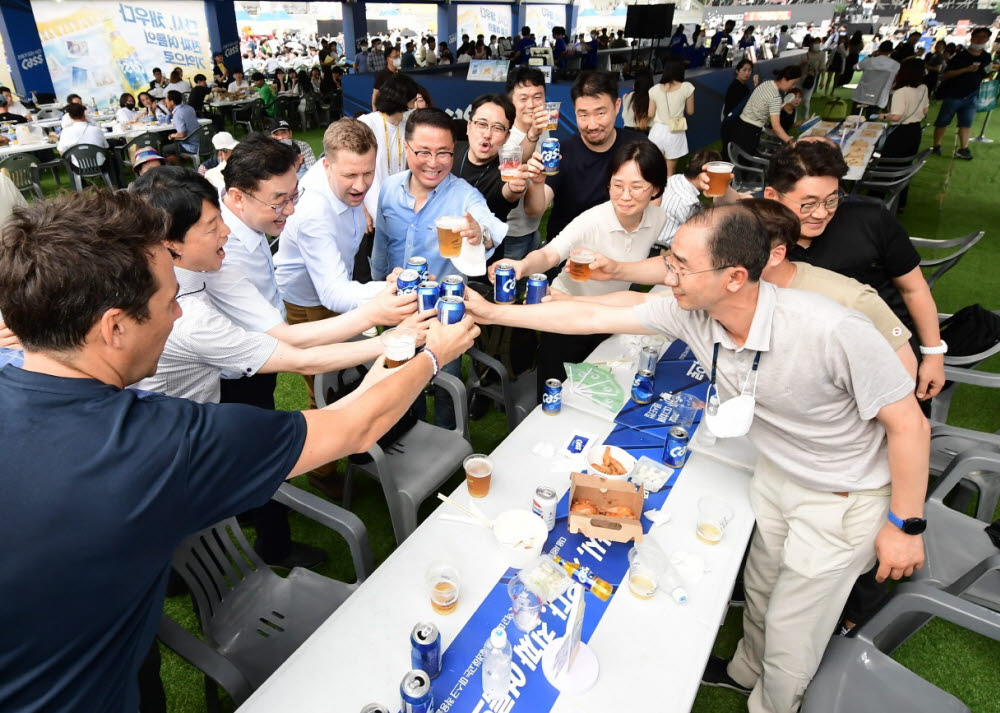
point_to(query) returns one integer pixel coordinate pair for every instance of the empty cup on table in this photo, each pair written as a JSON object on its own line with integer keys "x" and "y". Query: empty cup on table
{"x": 713, "y": 516}
{"x": 525, "y": 605}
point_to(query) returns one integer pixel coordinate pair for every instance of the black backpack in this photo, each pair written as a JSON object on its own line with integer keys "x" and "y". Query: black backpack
{"x": 971, "y": 330}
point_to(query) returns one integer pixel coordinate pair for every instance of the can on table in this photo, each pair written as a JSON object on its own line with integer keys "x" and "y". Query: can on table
{"x": 643, "y": 387}
{"x": 550, "y": 157}
{"x": 676, "y": 452}
{"x": 407, "y": 281}
{"x": 544, "y": 505}
{"x": 453, "y": 286}
{"x": 415, "y": 690}
{"x": 552, "y": 397}
{"x": 428, "y": 293}
{"x": 538, "y": 286}
{"x": 375, "y": 708}
{"x": 425, "y": 648}
{"x": 419, "y": 264}
{"x": 450, "y": 309}
{"x": 504, "y": 283}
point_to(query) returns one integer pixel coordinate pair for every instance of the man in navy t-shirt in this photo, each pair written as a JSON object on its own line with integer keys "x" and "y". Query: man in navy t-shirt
{"x": 523, "y": 50}
{"x": 99, "y": 483}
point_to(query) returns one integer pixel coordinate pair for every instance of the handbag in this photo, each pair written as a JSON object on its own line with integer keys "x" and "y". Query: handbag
{"x": 677, "y": 123}
{"x": 809, "y": 82}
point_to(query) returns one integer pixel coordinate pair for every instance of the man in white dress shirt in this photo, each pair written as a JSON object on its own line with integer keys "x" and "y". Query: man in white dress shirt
{"x": 81, "y": 131}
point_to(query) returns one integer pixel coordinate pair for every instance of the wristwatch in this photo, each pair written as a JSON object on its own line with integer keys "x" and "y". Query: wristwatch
{"x": 487, "y": 237}
{"x": 941, "y": 349}
{"x": 911, "y": 525}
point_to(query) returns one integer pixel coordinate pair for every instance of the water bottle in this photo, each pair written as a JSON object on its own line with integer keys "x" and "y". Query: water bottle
{"x": 496, "y": 666}
{"x": 671, "y": 582}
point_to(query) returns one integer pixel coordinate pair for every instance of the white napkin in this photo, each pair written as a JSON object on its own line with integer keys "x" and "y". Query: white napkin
{"x": 472, "y": 260}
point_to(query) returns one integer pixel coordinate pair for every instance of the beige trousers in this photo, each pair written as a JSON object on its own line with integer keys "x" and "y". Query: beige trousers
{"x": 806, "y": 553}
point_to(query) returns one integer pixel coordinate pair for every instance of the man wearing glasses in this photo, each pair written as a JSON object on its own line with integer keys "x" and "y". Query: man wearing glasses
{"x": 488, "y": 129}
{"x": 410, "y": 202}
{"x": 831, "y": 411}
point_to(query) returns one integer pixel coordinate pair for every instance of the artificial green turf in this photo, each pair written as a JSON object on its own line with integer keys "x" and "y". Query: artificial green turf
{"x": 948, "y": 198}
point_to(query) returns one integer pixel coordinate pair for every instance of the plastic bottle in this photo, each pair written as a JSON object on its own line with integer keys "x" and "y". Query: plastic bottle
{"x": 671, "y": 583}
{"x": 496, "y": 666}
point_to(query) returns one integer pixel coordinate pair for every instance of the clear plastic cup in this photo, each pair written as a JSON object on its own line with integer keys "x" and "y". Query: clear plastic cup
{"x": 713, "y": 516}
{"x": 525, "y": 605}
{"x": 553, "y": 109}
{"x": 720, "y": 173}
{"x": 510, "y": 162}
{"x": 442, "y": 587}
{"x": 579, "y": 264}
{"x": 646, "y": 566}
{"x": 399, "y": 344}
{"x": 478, "y": 474}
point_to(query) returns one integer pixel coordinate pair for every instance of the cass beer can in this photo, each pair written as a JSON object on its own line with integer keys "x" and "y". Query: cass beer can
{"x": 407, "y": 281}
{"x": 375, "y": 708}
{"x": 643, "y": 387}
{"x": 419, "y": 264}
{"x": 425, "y": 649}
{"x": 428, "y": 293}
{"x": 538, "y": 285}
{"x": 676, "y": 452}
{"x": 450, "y": 309}
{"x": 552, "y": 397}
{"x": 550, "y": 157}
{"x": 453, "y": 286}
{"x": 504, "y": 284}
{"x": 544, "y": 505}
{"x": 415, "y": 690}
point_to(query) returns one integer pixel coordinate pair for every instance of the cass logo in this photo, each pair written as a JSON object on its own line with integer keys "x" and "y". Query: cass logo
{"x": 33, "y": 61}
{"x": 232, "y": 50}
{"x": 678, "y": 451}
{"x": 508, "y": 285}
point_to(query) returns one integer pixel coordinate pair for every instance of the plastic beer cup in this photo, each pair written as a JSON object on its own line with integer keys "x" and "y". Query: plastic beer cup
{"x": 719, "y": 175}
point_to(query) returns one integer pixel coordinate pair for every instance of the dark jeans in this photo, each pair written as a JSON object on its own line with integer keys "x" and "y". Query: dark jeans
{"x": 554, "y": 349}
{"x": 274, "y": 537}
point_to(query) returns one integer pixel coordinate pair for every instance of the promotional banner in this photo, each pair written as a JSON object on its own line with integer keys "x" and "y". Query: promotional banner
{"x": 79, "y": 39}
{"x": 5, "y": 77}
{"x": 987, "y": 99}
{"x": 484, "y": 20}
{"x": 542, "y": 18}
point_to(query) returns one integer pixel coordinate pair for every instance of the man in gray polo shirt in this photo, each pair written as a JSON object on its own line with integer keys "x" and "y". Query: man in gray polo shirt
{"x": 835, "y": 420}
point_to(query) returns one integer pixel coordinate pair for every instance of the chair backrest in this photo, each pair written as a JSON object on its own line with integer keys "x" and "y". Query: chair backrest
{"x": 86, "y": 159}
{"x": 750, "y": 172}
{"x": 46, "y": 114}
{"x": 22, "y": 169}
{"x": 944, "y": 263}
{"x": 215, "y": 563}
{"x": 147, "y": 138}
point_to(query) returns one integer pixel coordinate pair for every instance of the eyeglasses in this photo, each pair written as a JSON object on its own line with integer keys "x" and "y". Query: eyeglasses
{"x": 427, "y": 155}
{"x": 635, "y": 190}
{"x": 679, "y": 273}
{"x": 278, "y": 208}
{"x": 492, "y": 128}
{"x": 830, "y": 204}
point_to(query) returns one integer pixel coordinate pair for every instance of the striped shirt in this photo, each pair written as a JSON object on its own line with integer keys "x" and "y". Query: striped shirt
{"x": 764, "y": 103}
{"x": 205, "y": 346}
{"x": 679, "y": 203}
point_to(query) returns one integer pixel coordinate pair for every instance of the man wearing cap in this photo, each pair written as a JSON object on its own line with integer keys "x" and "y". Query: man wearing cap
{"x": 282, "y": 131}
{"x": 224, "y": 144}
{"x": 146, "y": 158}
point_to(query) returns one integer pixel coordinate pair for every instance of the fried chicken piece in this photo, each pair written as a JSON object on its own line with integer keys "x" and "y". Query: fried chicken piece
{"x": 584, "y": 507}
{"x": 619, "y": 511}
{"x": 602, "y": 469}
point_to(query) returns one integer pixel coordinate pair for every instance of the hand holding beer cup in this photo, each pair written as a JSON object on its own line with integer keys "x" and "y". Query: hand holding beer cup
{"x": 510, "y": 163}
{"x": 720, "y": 173}
{"x": 472, "y": 232}
{"x": 602, "y": 267}
{"x": 579, "y": 264}
{"x": 541, "y": 121}
{"x": 450, "y": 232}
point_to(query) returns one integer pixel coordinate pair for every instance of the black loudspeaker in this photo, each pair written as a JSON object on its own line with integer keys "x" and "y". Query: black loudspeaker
{"x": 649, "y": 21}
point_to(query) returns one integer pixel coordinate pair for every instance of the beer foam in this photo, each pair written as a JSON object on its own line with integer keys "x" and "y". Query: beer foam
{"x": 452, "y": 222}
{"x": 398, "y": 346}
{"x": 478, "y": 468}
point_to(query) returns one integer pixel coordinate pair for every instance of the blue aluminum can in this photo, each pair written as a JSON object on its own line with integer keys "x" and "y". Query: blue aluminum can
{"x": 425, "y": 649}
{"x": 450, "y": 309}
{"x": 550, "y": 157}
{"x": 407, "y": 281}
{"x": 538, "y": 286}
{"x": 428, "y": 293}
{"x": 676, "y": 452}
{"x": 415, "y": 690}
{"x": 504, "y": 284}
{"x": 419, "y": 264}
{"x": 552, "y": 397}
{"x": 643, "y": 387}
{"x": 453, "y": 286}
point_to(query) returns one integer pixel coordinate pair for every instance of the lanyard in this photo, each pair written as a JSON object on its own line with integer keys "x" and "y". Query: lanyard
{"x": 715, "y": 359}
{"x": 482, "y": 173}
{"x": 388, "y": 159}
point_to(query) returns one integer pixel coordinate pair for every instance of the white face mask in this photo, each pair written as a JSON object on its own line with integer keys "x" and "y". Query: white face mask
{"x": 732, "y": 418}
{"x": 978, "y": 48}
{"x": 397, "y": 62}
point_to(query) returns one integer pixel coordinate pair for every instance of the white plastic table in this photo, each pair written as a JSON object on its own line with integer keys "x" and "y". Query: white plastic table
{"x": 652, "y": 653}
{"x": 129, "y": 133}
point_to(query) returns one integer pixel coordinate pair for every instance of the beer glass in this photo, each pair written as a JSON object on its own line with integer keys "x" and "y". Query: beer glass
{"x": 553, "y": 109}
{"x": 713, "y": 516}
{"x": 399, "y": 345}
{"x": 442, "y": 587}
{"x": 478, "y": 473}
{"x": 510, "y": 162}
{"x": 719, "y": 175}
{"x": 450, "y": 229}
{"x": 579, "y": 265}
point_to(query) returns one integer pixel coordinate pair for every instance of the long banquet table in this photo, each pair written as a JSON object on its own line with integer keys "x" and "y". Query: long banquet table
{"x": 651, "y": 652}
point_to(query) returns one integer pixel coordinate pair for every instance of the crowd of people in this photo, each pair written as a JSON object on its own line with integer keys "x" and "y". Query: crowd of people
{"x": 141, "y": 325}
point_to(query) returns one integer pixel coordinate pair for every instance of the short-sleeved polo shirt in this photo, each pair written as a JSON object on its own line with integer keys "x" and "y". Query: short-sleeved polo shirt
{"x": 824, "y": 374}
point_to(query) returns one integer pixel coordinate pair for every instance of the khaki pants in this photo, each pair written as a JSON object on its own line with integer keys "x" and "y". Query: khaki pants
{"x": 806, "y": 553}
{"x": 297, "y": 315}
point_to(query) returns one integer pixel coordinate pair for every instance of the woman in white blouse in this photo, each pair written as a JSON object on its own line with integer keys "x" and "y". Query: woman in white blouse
{"x": 623, "y": 229}
{"x": 907, "y": 109}
{"x": 177, "y": 82}
{"x": 395, "y": 97}
{"x": 670, "y": 100}
{"x": 126, "y": 113}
